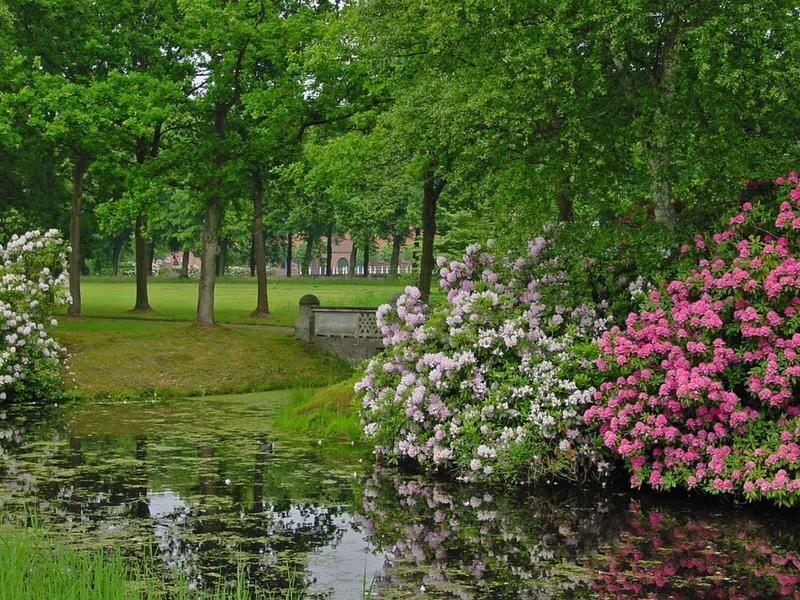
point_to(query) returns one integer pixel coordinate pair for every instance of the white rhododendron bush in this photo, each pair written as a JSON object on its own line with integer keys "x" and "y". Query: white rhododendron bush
{"x": 32, "y": 284}
{"x": 492, "y": 383}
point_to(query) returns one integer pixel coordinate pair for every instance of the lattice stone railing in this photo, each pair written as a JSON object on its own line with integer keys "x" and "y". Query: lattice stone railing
{"x": 345, "y": 322}
{"x": 350, "y": 332}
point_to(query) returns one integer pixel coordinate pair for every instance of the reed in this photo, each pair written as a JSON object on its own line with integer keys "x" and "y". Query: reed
{"x": 37, "y": 565}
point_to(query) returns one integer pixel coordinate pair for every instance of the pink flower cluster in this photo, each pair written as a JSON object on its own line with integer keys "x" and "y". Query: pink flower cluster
{"x": 702, "y": 385}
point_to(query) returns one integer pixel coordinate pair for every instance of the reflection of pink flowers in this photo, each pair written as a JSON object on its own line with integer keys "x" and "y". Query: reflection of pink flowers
{"x": 659, "y": 556}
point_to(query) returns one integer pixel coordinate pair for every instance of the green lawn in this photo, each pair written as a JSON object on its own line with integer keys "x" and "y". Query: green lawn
{"x": 177, "y": 300}
{"x": 127, "y": 358}
{"x": 116, "y": 353}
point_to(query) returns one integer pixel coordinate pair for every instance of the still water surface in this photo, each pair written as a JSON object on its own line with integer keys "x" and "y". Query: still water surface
{"x": 204, "y": 486}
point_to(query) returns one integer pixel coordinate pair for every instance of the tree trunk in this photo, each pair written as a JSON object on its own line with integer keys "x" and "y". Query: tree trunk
{"x": 394, "y": 261}
{"x": 259, "y": 254}
{"x": 329, "y": 253}
{"x": 306, "y": 266}
{"x": 252, "y": 260}
{"x": 415, "y": 251}
{"x": 366, "y": 258}
{"x": 74, "y": 265}
{"x": 289, "y": 256}
{"x": 142, "y": 255}
{"x": 222, "y": 258}
{"x": 115, "y": 255}
{"x": 211, "y": 225}
{"x": 431, "y": 190}
{"x": 353, "y": 259}
{"x": 563, "y": 198}
{"x": 660, "y": 160}
{"x": 208, "y": 280}
{"x": 208, "y": 258}
{"x": 151, "y": 256}
{"x": 185, "y": 265}
{"x": 661, "y": 187}
{"x": 143, "y": 258}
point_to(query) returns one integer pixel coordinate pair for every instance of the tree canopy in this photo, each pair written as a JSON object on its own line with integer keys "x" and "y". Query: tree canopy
{"x": 235, "y": 130}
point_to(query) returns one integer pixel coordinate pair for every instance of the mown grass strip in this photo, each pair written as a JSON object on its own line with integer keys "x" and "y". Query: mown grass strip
{"x": 176, "y": 300}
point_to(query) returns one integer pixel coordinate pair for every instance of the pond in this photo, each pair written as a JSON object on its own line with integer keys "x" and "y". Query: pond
{"x": 204, "y": 487}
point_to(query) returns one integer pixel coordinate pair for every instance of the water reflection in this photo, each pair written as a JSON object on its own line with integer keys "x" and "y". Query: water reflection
{"x": 463, "y": 542}
{"x": 671, "y": 555}
{"x": 202, "y": 485}
{"x": 205, "y": 486}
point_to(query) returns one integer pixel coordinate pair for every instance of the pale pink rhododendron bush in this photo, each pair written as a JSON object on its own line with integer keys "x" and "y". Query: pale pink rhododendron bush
{"x": 32, "y": 283}
{"x": 701, "y": 386}
{"x": 490, "y": 384}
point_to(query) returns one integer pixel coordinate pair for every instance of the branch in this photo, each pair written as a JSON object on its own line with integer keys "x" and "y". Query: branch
{"x": 319, "y": 121}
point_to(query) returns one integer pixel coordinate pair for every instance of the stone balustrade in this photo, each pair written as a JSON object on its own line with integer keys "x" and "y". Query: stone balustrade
{"x": 349, "y": 332}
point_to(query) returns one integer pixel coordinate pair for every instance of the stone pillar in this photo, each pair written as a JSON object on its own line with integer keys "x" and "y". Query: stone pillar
{"x": 304, "y": 326}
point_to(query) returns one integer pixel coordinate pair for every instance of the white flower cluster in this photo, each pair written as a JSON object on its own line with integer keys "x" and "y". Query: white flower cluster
{"x": 489, "y": 383}
{"x": 33, "y": 278}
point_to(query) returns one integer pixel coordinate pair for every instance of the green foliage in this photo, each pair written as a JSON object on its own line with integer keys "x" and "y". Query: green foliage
{"x": 328, "y": 413}
{"x": 523, "y": 112}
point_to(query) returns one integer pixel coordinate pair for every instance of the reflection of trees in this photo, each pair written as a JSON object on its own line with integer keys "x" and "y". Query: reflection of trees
{"x": 140, "y": 487}
{"x": 19, "y": 422}
{"x": 482, "y": 545}
{"x": 244, "y": 521}
{"x": 134, "y": 490}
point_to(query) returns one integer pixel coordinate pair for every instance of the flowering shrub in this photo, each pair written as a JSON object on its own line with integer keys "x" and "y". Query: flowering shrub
{"x": 702, "y": 385}
{"x": 128, "y": 269}
{"x": 237, "y": 271}
{"x": 493, "y": 382}
{"x": 32, "y": 280}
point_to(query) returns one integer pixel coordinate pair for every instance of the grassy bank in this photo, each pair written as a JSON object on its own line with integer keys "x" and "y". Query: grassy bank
{"x": 36, "y": 566}
{"x": 119, "y": 358}
{"x": 177, "y": 299}
{"x": 328, "y": 413}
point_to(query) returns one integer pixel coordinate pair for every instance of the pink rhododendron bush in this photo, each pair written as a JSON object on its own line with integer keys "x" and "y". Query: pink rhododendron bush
{"x": 491, "y": 384}
{"x": 702, "y": 384}
{"x": 32, "y": 280}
